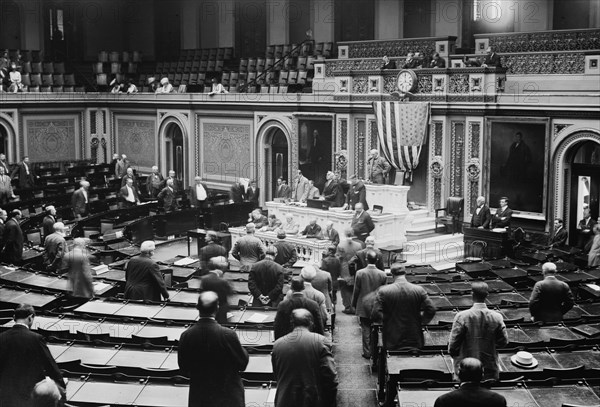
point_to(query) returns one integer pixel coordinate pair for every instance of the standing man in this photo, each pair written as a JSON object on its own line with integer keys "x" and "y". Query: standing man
{"x": 560, "y": 236}
{"x": 332, "y": 266}
{"x": 248, "y": 249}
{"x": 212, "y": 249}
{"x": 362, "y": 224}
{"x": 24, "y": 361}
{"x": 265, "y": 281}
{"x": 331, "y": 234}
{"x": 481, "y": 217}
{"x": 26, "y": 174}
{"x": 143, "y": 280}
{"x": 198, "y": 193}
{"x": 214, "y": 281}
{"x": 300, "y": 188}
{"x": 368, "y": 280}
{"x": 212, "y": 357}
{"x": 313, "y": 191}
{"x": 360, "y": 259}
{"x": 345, "y": 251}
{"x": 585, "y": 227}
{"x": 167, "y": 196}
{"x": 332, "y": 191}
{"x": 295, "y": 299}
{"x": 551, "y": 298}
{"x": 303, "y": 366}
{"x": 55, "y": 248}
{"x": 3, "y": 216}
{"x": 79, "y": 201}
{"x": 4, "y": 164}
{"x": 176, "y": 182}
{"x": 129, "y": 194}
{"x": 154, "y": 182}
{"x": 113, "y": 163}
{"x": 503, "y": 215}
{"x": 6, "y": 189}
{"x": 356, "y": 194}
{"x": 129, "y": 175}
{"x": 13, "y": 239}
{"x": 377, "y": 167}
{"x": 253, "y": 194}
{"x": 283, "y": 190}
{"x": 237, "y": 193}
{"x": 286, "y": 252}
{"x": 77, "y": 264}
{"x": 403, "y": 307}
{"x": 49, "y": 220}
{"x": 477, "y": 333}
{"x": 121, "y": 166}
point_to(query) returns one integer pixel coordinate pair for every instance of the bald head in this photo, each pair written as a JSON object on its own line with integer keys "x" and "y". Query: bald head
{"x": 308, "y": 273}
{"x": 46, "y": 393}
{"x": 301, "y": 317}
{"x": 208, "y": 304}
{"x": 470, "y": 370}
{"x": 480, "y": 291}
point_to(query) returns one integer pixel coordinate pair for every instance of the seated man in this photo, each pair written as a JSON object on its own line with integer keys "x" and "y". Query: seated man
{"x": 470, "y": 393}
{"x": 387, "y": 63}
{"x": 258, "y": 219}
{"x": 290, "y": 227}
{"x": 273, "y": 223}
{"x": 312, "y": 230}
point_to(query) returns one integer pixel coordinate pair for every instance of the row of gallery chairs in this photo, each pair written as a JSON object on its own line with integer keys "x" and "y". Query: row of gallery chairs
{"x": 43, "y": 67}
{"x": 24, "y": 55}
{"x": 117, "y": 56}
{"x": 206, "y": 54}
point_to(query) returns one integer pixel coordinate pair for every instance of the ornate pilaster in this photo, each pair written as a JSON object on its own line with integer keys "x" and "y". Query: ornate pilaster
{"x": 436, "y": 166}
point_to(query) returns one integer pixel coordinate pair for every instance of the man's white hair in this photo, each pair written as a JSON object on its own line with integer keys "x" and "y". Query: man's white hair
{"x": 308, "y": 273}
{"x": 58, "y": 226}
{"x": 147, "y": 246}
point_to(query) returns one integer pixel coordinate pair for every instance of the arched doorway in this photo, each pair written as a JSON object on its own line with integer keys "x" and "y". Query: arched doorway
{"x": 277, "y": 160}
{"x": 174, "y": 151}
{"x": 584, "y": 186}
{"x": 4, "y": 140}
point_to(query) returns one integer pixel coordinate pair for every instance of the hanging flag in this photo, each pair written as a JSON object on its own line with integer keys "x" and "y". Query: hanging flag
{"x": 402, "y": 128}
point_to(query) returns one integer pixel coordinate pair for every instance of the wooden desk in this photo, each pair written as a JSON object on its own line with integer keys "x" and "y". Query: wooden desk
{"x": 486, "y": 243}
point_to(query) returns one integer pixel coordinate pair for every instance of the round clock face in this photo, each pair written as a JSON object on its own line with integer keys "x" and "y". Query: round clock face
{"x": 407, "y": 81}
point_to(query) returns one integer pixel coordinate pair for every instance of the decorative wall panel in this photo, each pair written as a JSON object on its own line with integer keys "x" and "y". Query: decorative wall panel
{"x": 473, "y": 166}
{"x": 227, "y": 150}
{"x": 457, "y": 154}
{"x": 136, "y": 138}
{"x": 563, "y": 40}
{"x": 436, "y": 165}
{"x": 51, "y": 139}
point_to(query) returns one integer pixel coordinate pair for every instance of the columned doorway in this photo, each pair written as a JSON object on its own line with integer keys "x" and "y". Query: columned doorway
{"x": 174, "y": 151}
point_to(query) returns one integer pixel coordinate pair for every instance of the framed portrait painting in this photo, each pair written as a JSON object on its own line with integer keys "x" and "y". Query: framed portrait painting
{"x": 517, "y": 153}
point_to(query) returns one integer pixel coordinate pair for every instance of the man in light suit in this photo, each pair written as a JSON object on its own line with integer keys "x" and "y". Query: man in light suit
{"x": 49, "y": 220}
{"x": 403, "y": 308}
{"x": 198, "y": 193}
{"x": 304, "y": 366}
{"x": 551, "y": 298}
{"x": 212, "y": 357}
{"x": 503, "y": 215}
{"x": 300, "y": 188}
{"x": 368, "y": 280}
{"x": 4, "y": 164}
{"x": 481, "y": 217}
{"x": 362, "y": 224}
{"x": 55, "y": 248}
{"x": 129, "y": 194}
{"x": 378, "y": 168}
{"x": 79, "y": 201}
{"x": 6, "y": 189}
{"x": 167, "y": 197}
{"x": 560, "y": 234}
{"x": 24, "y": 361}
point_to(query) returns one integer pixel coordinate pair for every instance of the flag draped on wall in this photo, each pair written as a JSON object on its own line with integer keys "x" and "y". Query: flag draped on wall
{"x": 402, "y": 128}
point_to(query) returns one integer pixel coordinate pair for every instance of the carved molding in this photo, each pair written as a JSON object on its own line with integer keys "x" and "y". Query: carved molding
{"x": 563, "y": 40}
{"x": 557, "y": 128}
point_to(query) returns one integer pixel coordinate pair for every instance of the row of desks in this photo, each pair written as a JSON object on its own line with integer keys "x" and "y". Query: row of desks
{"x": 69, "y": 328}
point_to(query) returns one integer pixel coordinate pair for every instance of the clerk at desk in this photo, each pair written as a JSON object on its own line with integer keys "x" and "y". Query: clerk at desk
{"x": 503, "y": 215}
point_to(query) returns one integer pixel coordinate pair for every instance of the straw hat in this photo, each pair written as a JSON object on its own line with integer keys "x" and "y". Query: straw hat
{"x": 524, "y": 360}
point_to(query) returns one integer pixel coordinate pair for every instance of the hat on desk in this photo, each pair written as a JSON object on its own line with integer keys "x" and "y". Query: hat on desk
{"x": 524, "y": 360}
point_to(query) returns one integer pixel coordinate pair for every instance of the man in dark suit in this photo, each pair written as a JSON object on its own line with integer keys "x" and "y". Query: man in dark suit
{"x": 143, "y": 280}
{"x": 212, "y": 357}
{"x": 13, "y": 239}
{"x": 49, "y": 220}
{"x": 3, "y": 217}
{"x": 470, "y": 393}
{"x": 214, "y": 281}
{"x": 55, "y": 248}
{"x": 167, "y": 197}
{"x": 368, "y": 280}
{"x": 362, "y": 224}
{"x": 403, "y": 307}
{"x": 312, "y": 230}
{"x": 129, "y": 194}
{"x": 237, "y": 193}
{"x": 331, "y": 264}
{"x": 177, "y": 187}
{"x": 79, "y": 201}
{"x": 129, "y": 175}
{"x": 437, "y": 61}
{"x": 481, "y": 216}
{"x": 297, "y": 299}
{"x": 503, "y": 215}
{"x": 26, "y": 174}
{"x": 154, "y": 182}
{"x": 265, "y": 281}
{"x": 198, "y": 193}
{"x": 356, "y": 194}
{"x": 304, "y": 366}
{"x": 560, "y": 234}
{"x": 286, "y": 252}
{"x": 253, "y": 194}
{"x": 212, "y": 249}
{"x": 492, "y": 60}
{"x": 359, "y": 260}
{"x": 551, "y": 298}
{"x": 331, "y": 234}
{"x": 332, "y": 191}
{"x": 24, "y": 361}
{"x": 585, "y": 228}
{"x": 283, "y": 190}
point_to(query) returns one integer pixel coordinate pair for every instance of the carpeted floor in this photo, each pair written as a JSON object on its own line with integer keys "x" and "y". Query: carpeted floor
{"x": 357, "y": 385}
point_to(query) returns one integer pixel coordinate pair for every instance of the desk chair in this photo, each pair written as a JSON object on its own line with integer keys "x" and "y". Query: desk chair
{"x": 453, "y": 213}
